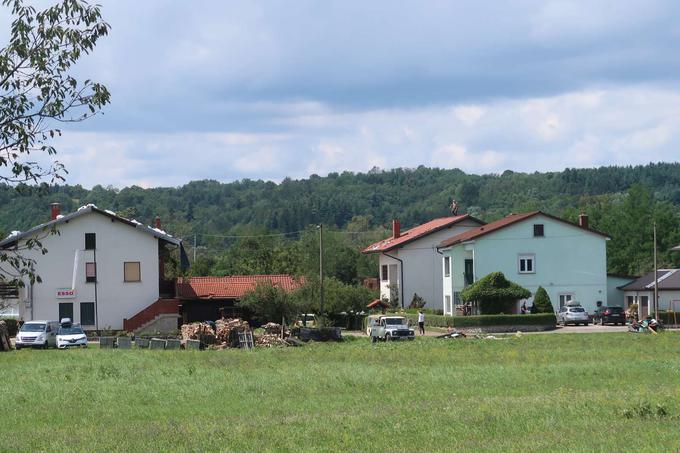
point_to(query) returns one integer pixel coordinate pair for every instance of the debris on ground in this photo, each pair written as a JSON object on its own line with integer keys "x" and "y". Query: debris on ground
{"x": 269, "y": 341}
{"x": 194, "y": 330}
{"x": 5, "y": 344}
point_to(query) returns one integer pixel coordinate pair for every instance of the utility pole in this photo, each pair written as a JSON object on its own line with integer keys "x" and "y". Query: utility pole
{"x": 321, "y": 268}
{"x": 656, "y": 280}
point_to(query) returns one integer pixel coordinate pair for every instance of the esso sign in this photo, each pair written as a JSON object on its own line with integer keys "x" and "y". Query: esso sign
{"x": 66, "y": 293}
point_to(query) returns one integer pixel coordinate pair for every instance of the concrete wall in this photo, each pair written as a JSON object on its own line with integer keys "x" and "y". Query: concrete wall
{"x": 422, "y": 266}
{"x": 567, "y": 260}
{"x": 115, "y": 299}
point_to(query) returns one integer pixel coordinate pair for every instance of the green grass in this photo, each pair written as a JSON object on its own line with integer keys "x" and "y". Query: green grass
{"x": 531, "y": 393}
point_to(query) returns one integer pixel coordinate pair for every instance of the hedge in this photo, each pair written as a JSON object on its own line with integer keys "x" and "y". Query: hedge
{"x": 667, "y": 317}
{"x": 541, "y": 319}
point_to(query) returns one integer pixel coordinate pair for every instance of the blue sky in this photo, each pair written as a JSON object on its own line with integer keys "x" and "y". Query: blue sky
{"x": 264, "y": 90}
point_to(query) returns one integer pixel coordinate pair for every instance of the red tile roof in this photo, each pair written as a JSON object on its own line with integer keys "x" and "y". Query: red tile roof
{"x": 232, "y": 287}
{"x": 417, "y": 233}
{"x": 502, "y": 223}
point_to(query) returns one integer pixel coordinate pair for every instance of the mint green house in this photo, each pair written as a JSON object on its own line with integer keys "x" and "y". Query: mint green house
{"x": 533, "y": 249}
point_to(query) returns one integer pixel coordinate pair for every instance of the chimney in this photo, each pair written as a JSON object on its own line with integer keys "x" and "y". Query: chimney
{"x": 583, "y": 221}
{"x": 396, "y": 228}
{"x": 55, "y": 210}
{"x": 158, "y": 222}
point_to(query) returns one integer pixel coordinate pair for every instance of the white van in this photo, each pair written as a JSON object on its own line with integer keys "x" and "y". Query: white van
{"x": 41, "y": 334}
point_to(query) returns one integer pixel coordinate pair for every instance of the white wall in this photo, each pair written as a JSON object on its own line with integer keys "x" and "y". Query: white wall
{"x": 116, "y": 243}
{"x": 567, "y": 260}
{"x": 422, "y": 266}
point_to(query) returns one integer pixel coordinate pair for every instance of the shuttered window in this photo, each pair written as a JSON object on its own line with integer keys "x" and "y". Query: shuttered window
{"x": 132, "y": 271}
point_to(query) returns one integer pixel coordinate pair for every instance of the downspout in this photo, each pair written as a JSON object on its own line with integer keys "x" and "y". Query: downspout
{"x": 96, "y": 278}
{"x": 401, "y": 269}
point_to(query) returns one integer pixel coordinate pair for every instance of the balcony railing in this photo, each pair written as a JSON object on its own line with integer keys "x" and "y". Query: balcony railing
{"x": 9, "y": 291}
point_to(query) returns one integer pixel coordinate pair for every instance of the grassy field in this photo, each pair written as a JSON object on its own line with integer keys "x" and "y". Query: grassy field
{"x": 557, "y": 392}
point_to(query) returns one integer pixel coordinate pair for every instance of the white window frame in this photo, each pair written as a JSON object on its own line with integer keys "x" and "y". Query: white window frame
{"x": 448, "y": 308}
{"x": 447, "y": 266}
{"x": 384, "y": 273}
{"x": 559, "y": 299}
{"x": 526, "y": 257}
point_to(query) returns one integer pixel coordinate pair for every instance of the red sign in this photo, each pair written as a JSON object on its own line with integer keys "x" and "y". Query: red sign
{"x": 66, "y": 293}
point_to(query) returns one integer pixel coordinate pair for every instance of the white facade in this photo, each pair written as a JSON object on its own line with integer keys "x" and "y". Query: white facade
{"x": 102, "y": 301}
{"x": 421, "y": 265}
{"x": 669, "y": 300}
{"x": 570, "y": 262}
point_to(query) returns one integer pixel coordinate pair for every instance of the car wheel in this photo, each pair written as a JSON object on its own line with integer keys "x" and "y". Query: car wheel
{"x": 373, "y": 340}
{"x": 45, "y": 345}
{"x": 586, "y": 324}
{"x": 17, "y": 346}
{"x": 388, "y": 337}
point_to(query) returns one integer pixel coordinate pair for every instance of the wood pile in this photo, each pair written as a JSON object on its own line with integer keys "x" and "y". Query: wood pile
{"x": 5, "y": 344}
{"x": 227, "y": 330}
{"x": 271, "y": 328}
{"x": 194, "y": 330}
{"x": 268, "y": 340}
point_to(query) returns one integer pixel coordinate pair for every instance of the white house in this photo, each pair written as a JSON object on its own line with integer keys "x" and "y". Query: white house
{"x": 100, "y": 269}
{"x": 641, "y": 292}
{"x": 410, "y": 261}
{"x": 532, "y": 249}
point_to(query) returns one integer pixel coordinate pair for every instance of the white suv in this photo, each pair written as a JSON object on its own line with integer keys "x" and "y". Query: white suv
{"x": 41, "y": 334}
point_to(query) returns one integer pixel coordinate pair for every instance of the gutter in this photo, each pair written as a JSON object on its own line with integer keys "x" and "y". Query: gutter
{"x": 401, "y": 269}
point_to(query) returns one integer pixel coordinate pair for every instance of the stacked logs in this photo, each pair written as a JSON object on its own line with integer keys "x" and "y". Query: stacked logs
{"x": 192, "y": 331}
{"x": 228, "y": 329}
{"x": 268, "y": 340}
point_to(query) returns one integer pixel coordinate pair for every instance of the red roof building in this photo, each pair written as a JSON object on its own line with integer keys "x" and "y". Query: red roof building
{"x": 209, "y": 298}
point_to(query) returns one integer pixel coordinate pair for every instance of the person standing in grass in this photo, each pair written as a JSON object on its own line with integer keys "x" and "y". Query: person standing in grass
{"x": 421, "y": 322}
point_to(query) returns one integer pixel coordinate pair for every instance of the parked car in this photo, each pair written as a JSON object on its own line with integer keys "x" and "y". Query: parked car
{"x": 306, "y": 320}
{"x": 389, "y": 328}
{"x": 607, "y": 315}
{"x": 71, "y": 335}
{"x": 573, "y": 315}
{"x": 37, "y": 334}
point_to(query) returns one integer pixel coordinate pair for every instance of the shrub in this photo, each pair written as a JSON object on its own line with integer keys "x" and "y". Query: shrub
{"x": 542, "y": 319}
{"x": 542, "y": 302}
{"x": 12, "y": 326}
{"x": 269, "y": 303}
{"x": 494, "y": 293}
{"x": 417, "y": 302}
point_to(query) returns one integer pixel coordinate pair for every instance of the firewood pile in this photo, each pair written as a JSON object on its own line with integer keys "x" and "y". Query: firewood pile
{"x": 228, "y": 329}
{"x": 269, "y": 340}
{"x": 5, "y": 344}
{"x": 194, "y": 330}
{"x": 271, "y": 328}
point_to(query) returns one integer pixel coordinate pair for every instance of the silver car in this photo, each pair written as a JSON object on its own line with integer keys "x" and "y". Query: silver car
{"x": 573, "y": 315}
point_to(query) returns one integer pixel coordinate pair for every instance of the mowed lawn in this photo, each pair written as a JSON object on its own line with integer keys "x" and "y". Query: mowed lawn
{"x": 590, "y": 392}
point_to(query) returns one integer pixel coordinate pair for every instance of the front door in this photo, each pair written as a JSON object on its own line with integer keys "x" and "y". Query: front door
{"x": 469, "y": 272}
{"x": 644, "y": 306}
{"x": 565, "y": 299}
{"x": 65, "y": 311}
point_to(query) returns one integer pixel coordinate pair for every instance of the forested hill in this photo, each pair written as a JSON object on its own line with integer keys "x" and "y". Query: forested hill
{"x": 413, "y": 195}
{"x": 621, "y": 201}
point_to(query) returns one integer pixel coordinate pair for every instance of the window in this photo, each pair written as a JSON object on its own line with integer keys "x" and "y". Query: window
{"x": 526, "y": 264}
{"x": 131, "y": 271}
{"x": 447, "y": 305}
{"x": 87, "y": 313}
{"x": 565, "y": 299}
{"x": 384, "y": 273}
{"x": 66, "y": 311}
{"x": 90, "y": 241}
{"x": 630, "y": 300}
{"x": 456, "y": 298}
{"x": 90, "y": 272}
{"x": 538, "y": 230}
{"x": 447, "y": 266}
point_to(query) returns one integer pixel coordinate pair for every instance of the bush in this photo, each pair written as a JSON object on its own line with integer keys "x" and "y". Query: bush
{"x": 269, "y": 303}
{"x": 542, "y": 319}
{"x": 542, "y": 302}
{"x": 12, "y": 326}
{"x": 669, "y": 318}
{"x": 417, "y": 302}
{"x": 494, "y": 293}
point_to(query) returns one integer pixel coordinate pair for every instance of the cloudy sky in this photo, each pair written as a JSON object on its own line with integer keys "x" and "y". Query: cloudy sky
{"x": 228, "y": 89}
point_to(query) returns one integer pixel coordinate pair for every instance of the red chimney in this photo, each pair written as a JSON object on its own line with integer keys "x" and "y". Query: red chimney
{"x": 158, "y": 222}
{"x": 583, "y": 220}
{"x": 55, "y": 210}
{"x": 396, "y": 228}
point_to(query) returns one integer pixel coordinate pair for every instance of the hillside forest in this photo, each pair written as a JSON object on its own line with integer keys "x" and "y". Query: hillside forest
{"x": 263, "y": 227}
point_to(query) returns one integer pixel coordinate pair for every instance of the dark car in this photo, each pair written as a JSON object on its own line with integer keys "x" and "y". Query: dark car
{"x": 610, "y": 315}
